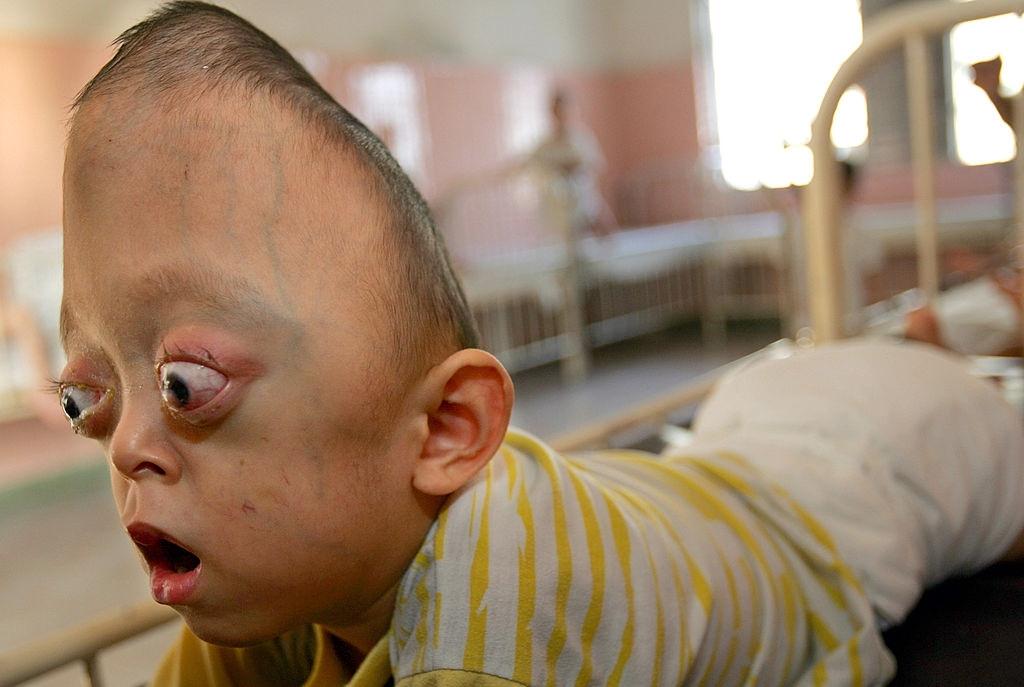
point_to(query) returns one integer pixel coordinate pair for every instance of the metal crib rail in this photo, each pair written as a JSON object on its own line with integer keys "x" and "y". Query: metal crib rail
{"x": 907, "y": 26}
{"x": 81, "y": 644}
{"x": 657, "y": 411}
{"x": 651, "y": 412}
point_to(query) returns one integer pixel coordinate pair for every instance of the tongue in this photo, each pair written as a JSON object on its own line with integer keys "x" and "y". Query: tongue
{"x": 178, "y": 559}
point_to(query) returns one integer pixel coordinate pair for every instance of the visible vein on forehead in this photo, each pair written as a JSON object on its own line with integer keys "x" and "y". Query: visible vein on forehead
{"x": 67, "y": 323}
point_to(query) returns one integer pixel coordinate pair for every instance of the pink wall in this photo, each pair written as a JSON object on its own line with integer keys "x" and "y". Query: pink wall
{"x": 446, "y": 122}
{"x": 38, "y": 81}
{"x": 895, "y": 184}
{"x": 467, "y": 112}
{"x": 656, "y": 115}
{"x": 468, "y": 119}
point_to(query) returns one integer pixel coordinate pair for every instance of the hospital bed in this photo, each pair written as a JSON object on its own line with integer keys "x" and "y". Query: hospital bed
{"x": 542, "y": 293}
{"x": 929, "y": 646}
{"x": 30, "y": 292}
{"x": 907, "y": 28}
{"x": 963, "y": 632}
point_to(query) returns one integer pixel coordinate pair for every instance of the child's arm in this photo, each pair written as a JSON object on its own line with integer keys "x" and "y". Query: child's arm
{"x": 986, "y": 77}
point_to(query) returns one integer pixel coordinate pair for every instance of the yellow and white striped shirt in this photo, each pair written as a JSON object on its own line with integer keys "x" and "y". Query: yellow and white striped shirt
{"x": 605, "y": 568}
{"x": 616, "y": 567}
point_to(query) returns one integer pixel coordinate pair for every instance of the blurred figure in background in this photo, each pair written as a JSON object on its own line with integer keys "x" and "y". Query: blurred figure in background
{"x": 567, "y": 164}
{"x": 31, "y": 309}
{"x": 986, "y": 77}
{"x": 570, "y": 152}
{"x": 982, "y": 316}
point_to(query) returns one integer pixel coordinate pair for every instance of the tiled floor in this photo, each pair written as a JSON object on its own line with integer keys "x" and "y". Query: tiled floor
{"x": 622, "y": 376}
{"x": 64, "y": 560}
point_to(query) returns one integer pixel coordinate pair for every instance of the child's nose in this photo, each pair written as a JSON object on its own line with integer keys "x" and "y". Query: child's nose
{"x": 139, "y": 447}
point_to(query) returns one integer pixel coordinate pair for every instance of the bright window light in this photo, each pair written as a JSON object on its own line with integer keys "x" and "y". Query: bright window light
{"x": 981, "y": 136}
{"x": 772, "y": 63}
{"x": 387, "y": 98}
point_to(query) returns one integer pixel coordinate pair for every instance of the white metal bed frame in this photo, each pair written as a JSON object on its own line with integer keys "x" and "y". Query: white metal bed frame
{"x": 553, "y": 294}
{"x": 907, "y": 25}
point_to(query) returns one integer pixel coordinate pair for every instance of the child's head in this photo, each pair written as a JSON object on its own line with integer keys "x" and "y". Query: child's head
{"x": 264, "y": 333}
{"x": 559, "y": 103}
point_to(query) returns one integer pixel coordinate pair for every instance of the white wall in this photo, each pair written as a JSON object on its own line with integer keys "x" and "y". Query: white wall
{"x": 566, "y": 33}
{"x": 646, "y": 32}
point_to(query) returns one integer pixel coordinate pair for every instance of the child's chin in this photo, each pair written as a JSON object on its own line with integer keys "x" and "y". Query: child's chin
{"x": 228, "y": 630}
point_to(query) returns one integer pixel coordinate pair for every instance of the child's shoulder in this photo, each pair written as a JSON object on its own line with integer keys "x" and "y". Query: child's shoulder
{"x": 540, "y": 566}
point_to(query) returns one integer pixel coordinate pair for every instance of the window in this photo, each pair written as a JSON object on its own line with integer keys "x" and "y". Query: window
{"x": 772, "y": 62}
{"x": 387, "y": 97}
{"x": 981, "y": 136}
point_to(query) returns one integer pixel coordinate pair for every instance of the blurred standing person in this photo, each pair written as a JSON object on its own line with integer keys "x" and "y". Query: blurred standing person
{"x": 566, "y": 162}
{"x": 570, "y": 152}
{"x": 863, "y": 255}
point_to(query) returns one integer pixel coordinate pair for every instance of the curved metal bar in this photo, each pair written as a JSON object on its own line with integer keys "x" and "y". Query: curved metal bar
{"x": 922, "y": 161}
{"x": 658, "y": 409}
{"x": 886, "y": 32}
{"x": 81, "y": 643}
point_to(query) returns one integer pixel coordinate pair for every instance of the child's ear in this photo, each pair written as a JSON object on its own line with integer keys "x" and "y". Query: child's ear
{"x": 470, "y": 404}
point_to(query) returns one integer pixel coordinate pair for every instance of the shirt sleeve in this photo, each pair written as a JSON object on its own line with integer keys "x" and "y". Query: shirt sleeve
{"x": 286, "y": 660}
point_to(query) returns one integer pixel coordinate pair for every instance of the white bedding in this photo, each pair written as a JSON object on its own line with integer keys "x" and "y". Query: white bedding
{"x": 629, "y": 255}
{"x": 913, "y": 465}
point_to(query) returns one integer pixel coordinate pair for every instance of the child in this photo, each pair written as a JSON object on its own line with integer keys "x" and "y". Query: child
{"x": 264, "y": 334}
{"x": 571, "y": 154}
{"x": 980, "y": 317}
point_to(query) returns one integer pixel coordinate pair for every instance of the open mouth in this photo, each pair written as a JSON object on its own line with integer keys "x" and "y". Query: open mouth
{"x": 170, "y": 555}
{"x": 173, "y": 569}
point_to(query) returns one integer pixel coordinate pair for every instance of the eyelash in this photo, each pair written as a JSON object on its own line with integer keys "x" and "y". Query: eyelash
{"x": 206, "y": 358}
{"x": 53, "y": 386}
{"x": 84, "y": 424}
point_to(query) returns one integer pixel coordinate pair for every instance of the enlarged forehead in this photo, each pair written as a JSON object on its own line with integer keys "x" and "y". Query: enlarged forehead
{"x": 237, "y": 182}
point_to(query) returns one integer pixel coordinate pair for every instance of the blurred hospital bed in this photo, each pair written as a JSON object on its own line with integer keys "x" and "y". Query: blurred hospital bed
{"x": 542, "y": 294}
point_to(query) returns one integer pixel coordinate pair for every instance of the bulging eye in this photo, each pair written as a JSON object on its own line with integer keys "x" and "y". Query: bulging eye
{"x": 187, "y": 386}
{"x": 79, "y": 402}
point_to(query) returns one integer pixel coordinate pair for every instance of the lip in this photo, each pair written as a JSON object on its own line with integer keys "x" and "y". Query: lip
{"x": 167, "y": 584}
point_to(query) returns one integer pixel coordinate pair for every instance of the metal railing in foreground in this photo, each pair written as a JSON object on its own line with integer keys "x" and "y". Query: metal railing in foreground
{"x": 84, "y": 643}
{"x": 658, "y": 411}
{"x": 81, "y": 644}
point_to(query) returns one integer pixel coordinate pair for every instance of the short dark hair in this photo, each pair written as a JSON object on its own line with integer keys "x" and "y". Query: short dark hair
{"x": 202, "y": 47}
{"x": 850, "y": 174}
